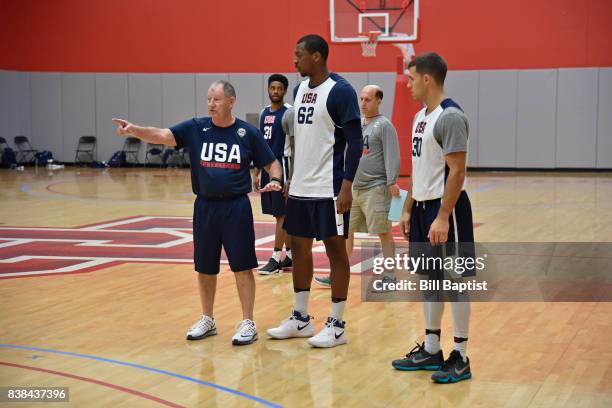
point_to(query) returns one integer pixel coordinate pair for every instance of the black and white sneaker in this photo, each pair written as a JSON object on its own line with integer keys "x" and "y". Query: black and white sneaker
{"x": 203, "y": 328}
{"x": 419, "y": 359}
{"x": 272, "y": 267}
{"x": 453, "y": 370}
{"x": 286, "y": 263}
{"x": 245, "y": 334}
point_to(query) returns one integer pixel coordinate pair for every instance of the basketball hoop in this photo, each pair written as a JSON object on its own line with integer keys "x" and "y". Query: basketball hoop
{"x": 368, "y": 47}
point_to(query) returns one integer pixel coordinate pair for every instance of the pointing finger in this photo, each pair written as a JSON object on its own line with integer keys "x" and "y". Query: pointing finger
{"x": 120, "y": 122}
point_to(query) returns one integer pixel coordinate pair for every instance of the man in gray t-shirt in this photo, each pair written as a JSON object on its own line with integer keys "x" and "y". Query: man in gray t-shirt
{"x": 376, "y": 178}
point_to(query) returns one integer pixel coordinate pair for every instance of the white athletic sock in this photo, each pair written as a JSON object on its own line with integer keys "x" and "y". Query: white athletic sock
{"x": 337, "y": 310}
{"x": 433, "y": 319}
{"x": 462, "y": 349}
{"x": 276, "y": 255}
{"x": 461, "y": 324}
{"x": 288, "y": 253}
{"x": 432, "y": 343}
{"x": 301, "y": 302}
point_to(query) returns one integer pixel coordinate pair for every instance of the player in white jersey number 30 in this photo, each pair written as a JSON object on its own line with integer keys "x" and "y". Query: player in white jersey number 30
{"x": 437, "y": 216}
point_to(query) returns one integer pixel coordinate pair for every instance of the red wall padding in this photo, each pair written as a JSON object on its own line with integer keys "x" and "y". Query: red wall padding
{"x": 259, "y": 36}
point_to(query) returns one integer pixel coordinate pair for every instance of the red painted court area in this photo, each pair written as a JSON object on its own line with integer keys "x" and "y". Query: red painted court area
{"x": 39, "y": 251}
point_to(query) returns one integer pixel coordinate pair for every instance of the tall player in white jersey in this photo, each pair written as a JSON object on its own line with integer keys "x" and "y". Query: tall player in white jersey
{"x": 328, "y": 140}
{"x": 438, "y": 213}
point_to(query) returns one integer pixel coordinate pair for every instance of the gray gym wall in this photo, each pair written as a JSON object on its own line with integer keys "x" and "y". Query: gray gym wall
{"x": 549, "y": 118}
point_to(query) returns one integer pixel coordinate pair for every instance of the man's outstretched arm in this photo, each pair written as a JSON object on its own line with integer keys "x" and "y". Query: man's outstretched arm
{"x": 148, "y": 134}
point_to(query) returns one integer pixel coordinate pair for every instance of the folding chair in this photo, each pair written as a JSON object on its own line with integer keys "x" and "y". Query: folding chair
{"x": 86, "y": 146}
{"x": 25, "y": 152}
{"x": 176, "y": 157}
{"x": 153, "y": 151}
{"x": 3, "y": 144}
{"x": 131, "y": 147}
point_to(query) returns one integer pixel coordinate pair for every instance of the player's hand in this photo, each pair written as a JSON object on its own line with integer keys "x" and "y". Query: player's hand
{"x": 405, "y": 224}
{"x": 271, "y": 186}
{"x": 256, "y": 184}
{"x": 123, "y": 126}
{"x": 438, "y": 232}
{"x": 345, "y": 198}
{"x": 394, "y": 190}
{"x": 286, "y": 188}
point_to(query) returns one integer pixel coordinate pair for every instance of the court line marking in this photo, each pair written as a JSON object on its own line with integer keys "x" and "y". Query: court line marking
{"x": 182, "y": 238}
{"x": 146, "y": 368}
{"x": 92, "y": 262}
{"x": 98, "y": 382}
{"x": 132, "y": 220}
{"x": 50, "y": 188}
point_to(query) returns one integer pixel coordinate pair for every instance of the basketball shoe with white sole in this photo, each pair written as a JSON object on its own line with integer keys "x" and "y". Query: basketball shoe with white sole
{"x": 332, "y": 335}
{"x": 297, "y": 325}
{"x": 245, "y": 334}
{"x": 203, "y": 328}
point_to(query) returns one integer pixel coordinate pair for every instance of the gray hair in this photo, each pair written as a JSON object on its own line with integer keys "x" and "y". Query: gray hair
{"x": 228, "y": 89}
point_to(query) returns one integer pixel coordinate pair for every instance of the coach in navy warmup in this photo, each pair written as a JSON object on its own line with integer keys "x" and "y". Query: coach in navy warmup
{"x": 221, "y": 148}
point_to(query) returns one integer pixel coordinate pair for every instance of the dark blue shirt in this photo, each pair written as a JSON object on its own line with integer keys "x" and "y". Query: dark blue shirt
{"x": 221, "y": 156}
{"x": 270, "y": 124}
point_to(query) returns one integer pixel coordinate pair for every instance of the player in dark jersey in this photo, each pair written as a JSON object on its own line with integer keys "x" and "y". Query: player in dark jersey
{"x": 274, "y": 126}
{"x": 221, "y": 148}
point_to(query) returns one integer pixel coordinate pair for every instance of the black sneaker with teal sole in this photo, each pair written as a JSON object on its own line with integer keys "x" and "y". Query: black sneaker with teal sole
{"x": 419, "y": 359}
{"x": 323, "y": 280}
{"x": 453, "y": 370}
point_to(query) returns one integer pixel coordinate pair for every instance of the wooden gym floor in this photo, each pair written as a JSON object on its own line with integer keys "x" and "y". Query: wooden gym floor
{"x": 97, "y": 290}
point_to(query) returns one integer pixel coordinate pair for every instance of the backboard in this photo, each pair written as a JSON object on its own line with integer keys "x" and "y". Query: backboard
{"x": 352, "y": 20}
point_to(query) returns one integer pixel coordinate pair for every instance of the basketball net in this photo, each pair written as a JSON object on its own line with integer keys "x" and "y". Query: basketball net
{"x": 368, "y": 47}
{"x": 408, "y": 54}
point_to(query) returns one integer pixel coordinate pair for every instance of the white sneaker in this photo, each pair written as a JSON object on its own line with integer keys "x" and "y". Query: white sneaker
{"x": 202, "y": 328}
{"x": 295, "y": 326}
{"x": 332, "y": 335}
{"x": 246, "y": 333}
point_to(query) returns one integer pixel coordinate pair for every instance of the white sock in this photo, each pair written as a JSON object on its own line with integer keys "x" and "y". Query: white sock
{"x": 461, "y": 318}
{"x": 276, "y": 255}
{"x": 301, "y": 302}
{"x": 433, "y": 320}
{"x": 338, "y": 310}
{"x": 433, "y": 314}
{"x": 432, "y": 343}
{"x": 462, "y": 349}
{"x": 288, "y": 253}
